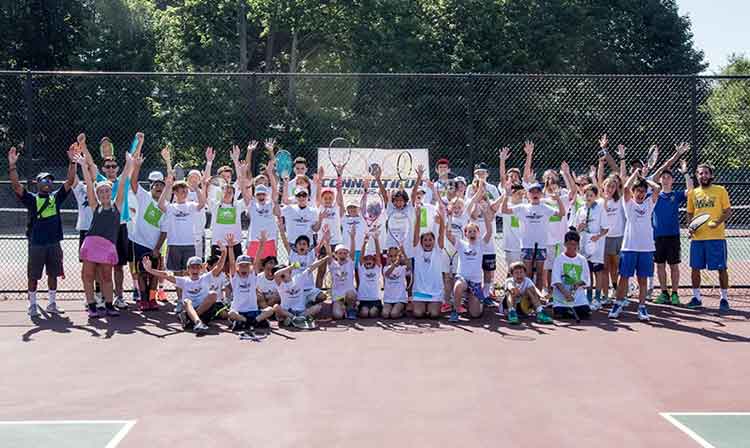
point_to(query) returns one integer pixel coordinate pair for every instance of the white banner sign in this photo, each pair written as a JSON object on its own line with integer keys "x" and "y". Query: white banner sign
{"x": 356, "y": 169}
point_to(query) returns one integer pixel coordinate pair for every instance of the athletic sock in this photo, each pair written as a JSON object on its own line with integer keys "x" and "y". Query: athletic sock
{"x": 52, "y": 296}
{"x": 92, "y": 306}
{"x": 598, "y": 295}
{"x": 32, "y": 297}
{"x": 589, "y": 294}
{"x": 697, "y": 293}
{"x": 723, "y": 293}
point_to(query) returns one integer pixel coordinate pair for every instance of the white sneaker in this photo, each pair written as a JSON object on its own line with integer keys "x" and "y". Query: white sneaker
{"x": 53, "y": 309}
{"x": 200, "y": 328}
{"x": 643, "y": 314}
{"x": 33, "y": 311}
{"x": 595, "y": 305}
{"x": 617, "y": 309}
{"x": 120, "y": 303}
{"x": 99, "y": 299}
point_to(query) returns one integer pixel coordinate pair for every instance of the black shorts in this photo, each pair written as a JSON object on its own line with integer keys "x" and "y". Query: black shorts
{"x": 47, "y": 259}
{"x": 213, "y": 312}
{"x": 216, "y": 252}
{"x": 564, "y": 312}
{"x": 123, "y": 246}
{"x": 251, "y": 320}
{"x": 81, "y": 236}
{"x": 489, "y": 262}
{"x": 667, "y": 249}
{"x": 370, "y": 304}
{"x": 596, "y": 267}
{"x": 137, "y": 252}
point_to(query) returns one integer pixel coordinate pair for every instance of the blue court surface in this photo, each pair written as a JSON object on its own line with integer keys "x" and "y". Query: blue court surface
{"x": 713, "y": 429}
{"x": 64, "y": 433}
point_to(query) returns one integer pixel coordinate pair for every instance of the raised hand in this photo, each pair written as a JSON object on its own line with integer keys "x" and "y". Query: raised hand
{"x": 230, "y": 239}
{"x": 235, "y": 153}
{"x": 504, "y": 153}
{"x": 269, "y": 144}
{"x": 210, "y": 154}
{"x": 146, "y": 261}
{"x": 528, "y": 148}
{"x": 565, "y": 168}
{"x": 166, "y": 155}
{"x": 682, "y": 148}
{"x": 252, "y": 146}
{"x": 420, "y": 171}
{"x": 592, "y": 172}
{"x": 138, "y": 160}
{"x": 621, "y": 151}
{"x": 603, "y": 141}
{"x": 683, "y": 167}
{"x": 72, "y": 152}
{"x": 80, "y": 159}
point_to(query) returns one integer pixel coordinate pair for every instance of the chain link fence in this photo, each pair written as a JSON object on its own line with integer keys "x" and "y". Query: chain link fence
{"x": 465, "y": 118}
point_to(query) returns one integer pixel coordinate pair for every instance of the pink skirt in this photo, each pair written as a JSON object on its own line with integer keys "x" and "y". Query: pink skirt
{"x": 96, "y": 249}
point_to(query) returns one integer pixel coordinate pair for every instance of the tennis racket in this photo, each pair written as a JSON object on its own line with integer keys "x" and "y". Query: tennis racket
{"x": 652, "y": 157}
{"x": 283, "y": 163}
{"x": 698, "y": 222}
{"x": 403, "y": 167}
{"x": 373, "y": 167}
{"x": 373, "y": 207}
{"x": 339, "y": 155}
{"x": 216, "y": 189}
{"x": 397, "y": 227}
{"x": 571, "y": 281}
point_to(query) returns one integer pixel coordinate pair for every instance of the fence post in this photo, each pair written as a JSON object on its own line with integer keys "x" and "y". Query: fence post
{"x": 695, "y": 149}
{"x": 470, "y": 143}
{"x": 28, "y": 140}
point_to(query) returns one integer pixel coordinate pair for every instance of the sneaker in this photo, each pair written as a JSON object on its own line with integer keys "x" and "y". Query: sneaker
{"x": 200, "y": 328}
{"x": 93, "y": 312}
{"x": 643, "y": 314}
{"x": 33, "y": 311}
{"x": 236, "y": 326}
{"x": 606, "y": 301}
{"x": 513, "y": 317}
{"x": 111, "y": 310}
{"x": 486, "y": 301}
{"x": 461, "y": 309}
{"x": 351, "y": 314}
{"x": 161, "y": 295}
{"x": 136, "y": 295}
{"x": 724, "y": 306}
{"x": 543, "y": 318}
{"x": 675, "y": 299}
{"x": 288, "y": 320}
{"x": 99, "y": 299}
{"x": 142, "y": 305}
{"x": 649, "y": 293}
{"x": 178, "y": 307}
{"x": 153, "y": 305}
{"x": 454, "y": 316}
{"x": 611, "y": 295}
{"x": 53, "y": 309}
{"x": 596, "y": 305}
{"x": 182, "y": 316}
{"x": 446, "y": 308}
{"x": 120, "y": 303}
{"x": 101, "y": 311}
{"x": 695, "y": 303}
{"x": 663, "y": 298}
{"x": 614, "y": 313}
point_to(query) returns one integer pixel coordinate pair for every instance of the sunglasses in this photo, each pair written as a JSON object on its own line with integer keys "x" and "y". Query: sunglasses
{"x": 46, "y": 180}
{"x": 110, "y": 167}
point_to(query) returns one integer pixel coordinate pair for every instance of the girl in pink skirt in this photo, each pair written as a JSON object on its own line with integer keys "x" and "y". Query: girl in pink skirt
{"x": 98, "y": 251}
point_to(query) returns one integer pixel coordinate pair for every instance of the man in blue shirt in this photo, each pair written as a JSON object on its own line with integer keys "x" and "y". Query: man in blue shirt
{"x": 44, "y": 229}
{"x": 666, "y": 223}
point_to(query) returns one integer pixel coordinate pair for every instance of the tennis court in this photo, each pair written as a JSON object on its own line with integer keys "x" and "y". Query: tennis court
{"x": 374, "y": 382}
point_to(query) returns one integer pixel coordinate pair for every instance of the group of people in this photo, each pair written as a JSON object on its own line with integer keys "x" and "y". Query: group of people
{"x": 571, "y": 242}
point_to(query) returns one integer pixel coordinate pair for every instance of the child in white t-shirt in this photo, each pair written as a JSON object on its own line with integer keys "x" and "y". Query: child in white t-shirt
{"x": 428, "y": 268}
{"x": 198, "y": 299}
{"x": 394, "y": 284}
{"x": 268, "y": 294}
{"x": 591, "y": 222}
{"x": 245, "y": 312}
{"x": 521, "y": 292}
{"x": 637, "y": 256}
{"x": 368, "y": 289}
{"x": 262, "y": 209}
{"x": 343, "y": 292}
{"x": 512, "y": 226}
{"x": 332, "y": 206}
{"x": 457, "y": 220}
{"x": 294, "y": 308}
{"x": 570, "y": 278}
{"x": 303, "y": 256}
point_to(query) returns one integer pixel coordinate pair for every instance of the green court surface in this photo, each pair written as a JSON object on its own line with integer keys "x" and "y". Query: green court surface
{"x": 64, "y": 434}
{"x": 713, "y": 429}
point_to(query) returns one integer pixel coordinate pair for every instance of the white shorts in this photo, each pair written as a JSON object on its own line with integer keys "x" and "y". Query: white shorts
{"x": 553, "y": 251}
{"x": 311, "y": 295}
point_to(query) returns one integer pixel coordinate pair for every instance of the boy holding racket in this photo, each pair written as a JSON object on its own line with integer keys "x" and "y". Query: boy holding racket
{"x": 570, "y": 278}
{"x": 708, "y": 245}
{"x": 294, "y": 308}
{"x": 637, "y": 256}
{"x": 518, "y": 289}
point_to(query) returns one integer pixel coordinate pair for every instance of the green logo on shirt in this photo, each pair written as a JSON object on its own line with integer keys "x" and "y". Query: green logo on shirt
{"x": 571, "y": 273}
{"x": 226, "y": 215}
{"x": 152, "y": 215}
{"x": 514, "y": 222}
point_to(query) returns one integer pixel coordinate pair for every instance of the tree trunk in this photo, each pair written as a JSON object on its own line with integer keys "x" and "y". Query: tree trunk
{"x": 293, "y": 62}
{"x": 269, "y": 47}
{"x": 242, "y": 32}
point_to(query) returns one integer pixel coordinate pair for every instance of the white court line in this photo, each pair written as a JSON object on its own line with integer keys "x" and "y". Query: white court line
{"x": 127, "y": 426}
{"x": 690, "y": 433}
{"x": 704, "y": 413}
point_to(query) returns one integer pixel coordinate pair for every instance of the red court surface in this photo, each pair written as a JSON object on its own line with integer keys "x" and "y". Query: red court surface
{"x": 373, "y": 383}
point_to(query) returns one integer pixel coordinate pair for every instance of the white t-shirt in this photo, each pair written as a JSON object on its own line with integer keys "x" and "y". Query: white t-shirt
{"x": 569, "y": 271}
{"x": 490, "y": 191}
{"x": 148, "y": 222}
{"x": 428, "y": 274}
{"x": 195, "y": 290}
{"x": 181, "y": 219}
{"x": 389, "y": 240}
{"x": 342, "y": 277}
{"x": 291, "y": 294}
{"x": 262, "y": 218}
{"x": 306, "y": 279}
{"x": 226, "y": 219}
{"x": 639, "y": 234}
{"x": 334, "y": 224}
{"x": 534, "y": 220}
{"x": 615, "y": 218}
{"x": 511, "y": 232}
{"x": 217, "y": 284}
{"x": 299, "y": 221}
{"x": 488, "y": 248}
{"x": 394, "y": 285}
{"x": 243, "y": 292}
{"x": 427, "y": 222}
{"x": 511, "y": 283}
{"x": 361, "y": 227}
{"x": 470, "y": 260}
{"x": 369, "y": 283}
{"x": 199, "y": 226}
{"x": 558, "y": 225}
{"x": 596, "y": 220}
{"x": 85, "y": 214}
{"x": 264, "y": 284}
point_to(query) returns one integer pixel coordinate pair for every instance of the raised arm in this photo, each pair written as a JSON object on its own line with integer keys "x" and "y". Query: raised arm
{"x": 381, "y": 187}
{"x": 282, "y": 234}
{"x": 222, "y": 259}
{"x": 251, "y": 146}
{"x": 365, "y": 240}
{"x": 417, "y": 183}
{"x": 570, "y": 182}
{"x": 528, "y": 148}
{"x": 126, "y": 172}
{"x": 688, "y": 178}
{"x": 504, "y": 154}
{"x": 210, "y": 156}
{"x": 655, "y": 190}
{"x": 418, "y": 214}
{"x": 137, "y": 163}
{"x": 200, "y": 193}
{"x": 623, "y": 168}
{"x": 340, "y": 194}
{"x": 489, "y": 224}
{"x": 70, "y": 178}
{"x": 680, "y": 150}
{"x": 441, "y": 230}
{"x": 166, "y": 194}
{"x": 88, "y": 179}
{"x": 272, "y": 181}
{"x": 603, "y": 143}
{"x": 626, "y": 193}
{"x": 377, "y": 251}
{"x": 230, "y": 254}
{"x": 146, "y": 261}
{"x": 352, "y": 242}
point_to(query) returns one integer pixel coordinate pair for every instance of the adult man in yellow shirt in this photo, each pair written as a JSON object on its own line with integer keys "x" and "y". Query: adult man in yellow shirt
{"x": 708, "y": 247}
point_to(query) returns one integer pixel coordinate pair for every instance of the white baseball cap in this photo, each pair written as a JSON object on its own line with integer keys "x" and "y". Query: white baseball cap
{"x": 261, "y": 189}
{"x": 192, "y": 261}
{"x": 155, "y": 176}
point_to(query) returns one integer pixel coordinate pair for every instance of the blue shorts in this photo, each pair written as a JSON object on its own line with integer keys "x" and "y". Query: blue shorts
{"x": 708, "y": 254}
{"x": 640, "y": 263}
{"x": 474, "y": 288}
{"x": 528, "y": 254}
